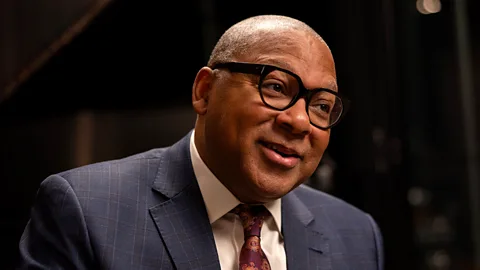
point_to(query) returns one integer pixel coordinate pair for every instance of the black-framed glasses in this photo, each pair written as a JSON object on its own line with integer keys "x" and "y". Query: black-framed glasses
{"x": 280, "y": 89}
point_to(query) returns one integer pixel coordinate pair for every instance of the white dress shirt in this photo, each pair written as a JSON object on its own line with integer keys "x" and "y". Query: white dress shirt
{"x": 227, "y": 227}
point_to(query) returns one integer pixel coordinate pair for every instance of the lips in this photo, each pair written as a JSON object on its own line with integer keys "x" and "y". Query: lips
{"x": 282, "y": 150}
{"x": 280, "y": 155}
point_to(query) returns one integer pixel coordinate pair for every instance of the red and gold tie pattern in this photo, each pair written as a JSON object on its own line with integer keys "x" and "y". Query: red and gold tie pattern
{"x": 251, "y": 254}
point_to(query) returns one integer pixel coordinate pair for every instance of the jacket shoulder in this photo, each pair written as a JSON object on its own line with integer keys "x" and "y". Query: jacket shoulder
{"x": 337, "y": 209}
{"x": 134, "y": 169}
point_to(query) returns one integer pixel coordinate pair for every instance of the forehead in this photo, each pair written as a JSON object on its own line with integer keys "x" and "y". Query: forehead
{"x": 306, "y": 56}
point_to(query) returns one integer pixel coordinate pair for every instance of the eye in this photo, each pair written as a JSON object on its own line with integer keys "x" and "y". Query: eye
{"x": 325, "y": 107}
{"x": 322, "y": 103}
{"x": 321, "y": 107}
{"x": 277, "y": 87}
{"x": 279, "y": 84}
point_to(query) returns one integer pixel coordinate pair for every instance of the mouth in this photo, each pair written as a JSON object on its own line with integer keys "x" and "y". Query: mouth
{"x": 281, "y": 150}
{"x": 281, "y": 155}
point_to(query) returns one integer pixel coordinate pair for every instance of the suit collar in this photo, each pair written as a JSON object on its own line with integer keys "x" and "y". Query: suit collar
{"x": 175, "y": 170}
{"x": 306, "y": 243}
{"x": 182, "y": 219}
{"x": 218, "y": 199}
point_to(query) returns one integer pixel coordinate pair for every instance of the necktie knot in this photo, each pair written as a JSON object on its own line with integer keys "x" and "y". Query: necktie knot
{"x": 251, "y": 254}
{"x": 252, "y": 217}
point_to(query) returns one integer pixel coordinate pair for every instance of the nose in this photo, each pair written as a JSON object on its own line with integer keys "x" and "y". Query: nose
{"x": 295, "y": 119}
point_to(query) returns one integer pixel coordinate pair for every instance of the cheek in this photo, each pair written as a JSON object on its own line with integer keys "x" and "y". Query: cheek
{"x": 240, "y": 115}
{"x": 236, "y": 118}
{"x": 250, "y": 113}
{"x": 319, "y": 141}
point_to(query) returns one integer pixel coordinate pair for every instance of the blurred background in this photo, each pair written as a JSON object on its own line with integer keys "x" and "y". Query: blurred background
{"x": 89, "y": 80}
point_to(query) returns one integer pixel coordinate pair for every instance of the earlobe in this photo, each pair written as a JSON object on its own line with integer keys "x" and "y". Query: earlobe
{"x": 201, "y": 90}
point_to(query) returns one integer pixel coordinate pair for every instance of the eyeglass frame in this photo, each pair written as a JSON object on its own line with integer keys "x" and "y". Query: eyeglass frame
{"x": 263, "y": 70}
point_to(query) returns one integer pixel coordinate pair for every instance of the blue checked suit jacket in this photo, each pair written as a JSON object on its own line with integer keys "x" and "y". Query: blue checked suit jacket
{"x": 146, "y": 212}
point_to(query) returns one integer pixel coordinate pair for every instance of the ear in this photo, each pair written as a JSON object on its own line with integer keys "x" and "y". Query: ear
{"x": 201, "y": 90}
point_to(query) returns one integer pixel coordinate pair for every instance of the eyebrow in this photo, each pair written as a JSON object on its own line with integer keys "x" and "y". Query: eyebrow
{"x": 332, "y": 85}
{"x": 279, "y": 63}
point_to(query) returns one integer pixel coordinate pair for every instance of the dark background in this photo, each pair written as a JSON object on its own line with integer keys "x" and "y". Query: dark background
{"x": 407, "y": 152}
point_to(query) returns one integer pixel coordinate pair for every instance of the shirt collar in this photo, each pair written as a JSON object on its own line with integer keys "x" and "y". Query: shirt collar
{"x": 218, "y": 199}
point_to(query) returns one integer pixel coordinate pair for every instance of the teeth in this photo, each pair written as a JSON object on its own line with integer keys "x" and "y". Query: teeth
{"x": 275, "y": 148}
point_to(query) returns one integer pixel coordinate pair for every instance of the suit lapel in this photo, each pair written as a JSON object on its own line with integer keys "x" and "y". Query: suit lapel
{"x": 306, "y": 245}
{"x": 182, "y": 219}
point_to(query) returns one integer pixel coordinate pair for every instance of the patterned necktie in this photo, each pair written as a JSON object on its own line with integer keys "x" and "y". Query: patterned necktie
{"x": 251, "y": 255}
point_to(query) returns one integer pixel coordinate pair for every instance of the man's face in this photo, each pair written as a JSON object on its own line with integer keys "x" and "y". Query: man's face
{"x": 258, "y": 153}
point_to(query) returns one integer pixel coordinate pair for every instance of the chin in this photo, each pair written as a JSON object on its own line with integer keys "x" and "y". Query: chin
{"x": 265, "y": 184}
{"x": 272, "y": 188}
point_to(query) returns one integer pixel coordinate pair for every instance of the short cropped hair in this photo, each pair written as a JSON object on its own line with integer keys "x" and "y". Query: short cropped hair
{"x": 242, "y": 36}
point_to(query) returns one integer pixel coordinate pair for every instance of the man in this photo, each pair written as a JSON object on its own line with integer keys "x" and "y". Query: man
{"x": 259, "y": 135}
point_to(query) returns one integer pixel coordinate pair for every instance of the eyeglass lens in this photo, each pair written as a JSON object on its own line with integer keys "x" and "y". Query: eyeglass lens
{"x": 279, "y": 89}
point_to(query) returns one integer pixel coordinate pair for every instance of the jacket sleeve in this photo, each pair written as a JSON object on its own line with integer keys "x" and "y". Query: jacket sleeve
{"x": 56, "y": 236}
{"x": 378, "y": 243}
